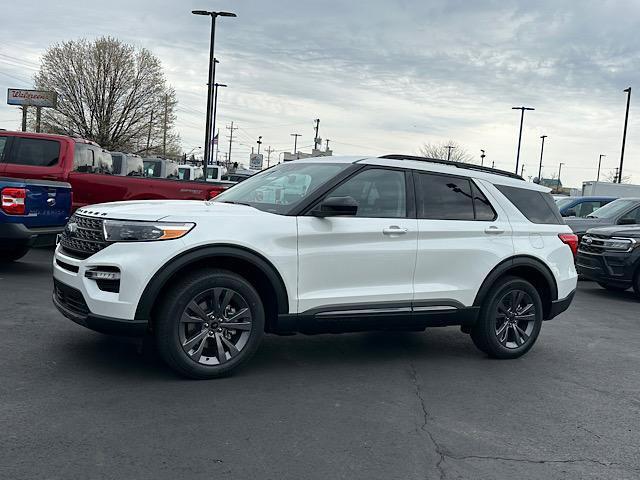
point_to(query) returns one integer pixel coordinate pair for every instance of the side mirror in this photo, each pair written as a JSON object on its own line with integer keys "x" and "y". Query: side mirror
{"x": 336, "y": 206}
{"x": 627, "y": 221}
{"x": 570, "y": 213}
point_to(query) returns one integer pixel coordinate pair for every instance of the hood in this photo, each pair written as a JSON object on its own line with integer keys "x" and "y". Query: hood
{"x": 629, "y": 231}
{"x": 581, "y": 225}
{"x": 170, "y": 210}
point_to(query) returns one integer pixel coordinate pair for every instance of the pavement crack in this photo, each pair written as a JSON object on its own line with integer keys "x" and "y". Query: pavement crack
{"x": 531, "y": 460}
{"x": 426, "y": 418}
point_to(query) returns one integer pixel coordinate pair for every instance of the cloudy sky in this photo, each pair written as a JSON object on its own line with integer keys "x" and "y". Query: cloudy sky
{"x": 383, "y": 76}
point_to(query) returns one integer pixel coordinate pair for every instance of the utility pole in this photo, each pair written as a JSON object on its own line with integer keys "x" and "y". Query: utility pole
{"x": 295, "y": 143}
{"x": 327, "y": 145}
{"x": 624, "y": 134}
{"x": 269, "y": 150}
{"x": 215, "y": 110}
{"x": 522, "y": 171}
{"x": 259, "y": 142}
{"x": 493, "y": 164}
{"x": 482, "y": 155}
{"x": 24, "y": 118}
{"x": 231, "y": 129}
{"x": 38, "y": 117}
{"x": 149, "y": 134}
{"x": 449, "y": 148}
{"x": 316, "y": 140}
{"x": 615, "y": 177}
{"x": 599, "y": 162}
{"x": 541, "y": 152}
{"x": 164, "y": 128}
{"x": 559, "y": 171}
{"x": 522, "y": 109}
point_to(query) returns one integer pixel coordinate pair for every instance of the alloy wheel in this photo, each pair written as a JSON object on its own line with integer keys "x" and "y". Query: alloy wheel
{"x": 215, "y": 326}
{"x": 515, "y": 319}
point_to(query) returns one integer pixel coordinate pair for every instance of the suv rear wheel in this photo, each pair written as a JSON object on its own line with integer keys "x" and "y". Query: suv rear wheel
{"x": 209, "y": 324}
{"x": 510, "y": 319}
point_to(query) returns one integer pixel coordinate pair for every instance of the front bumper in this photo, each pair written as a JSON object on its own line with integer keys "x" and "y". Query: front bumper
{"x": 40, "y": 236}
{"x": 613, "y": 268}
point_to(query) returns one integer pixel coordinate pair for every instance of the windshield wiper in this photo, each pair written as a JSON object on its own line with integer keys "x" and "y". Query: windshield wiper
{"x": 236, "y": 203}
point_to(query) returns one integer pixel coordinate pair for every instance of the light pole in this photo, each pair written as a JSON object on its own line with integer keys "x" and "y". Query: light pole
{"x": 211, "y": 78}
{"x": 215, "y": 111}
{"x": 449, "y": 148}
{"x": 541, "y": 152}
{"x": 522, "y": 109}
{"x": 482, "y": 155}
{"x": 259, "y": 142}
{"x": 559, "y": 171}
{"x": 624, "y": 133}
{"x": 295, "y": 143}
{"x": 598, "y": 176}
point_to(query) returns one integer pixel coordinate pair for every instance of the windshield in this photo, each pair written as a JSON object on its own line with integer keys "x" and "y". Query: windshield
{"x": 152, "y": 168}
{"x": 613, "y": 209}
{"x": 281, "y": 188}
{"x": 563, "y": 202}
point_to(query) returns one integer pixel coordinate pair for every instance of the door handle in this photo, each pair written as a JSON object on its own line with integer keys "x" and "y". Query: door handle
{"x": 394, "y": 230}
{"x": 493, "y": 230}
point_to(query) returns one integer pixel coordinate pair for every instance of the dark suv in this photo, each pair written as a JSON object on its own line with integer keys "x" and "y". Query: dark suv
{"x": 611, "y": 257}
{"x": 624, "y": 211}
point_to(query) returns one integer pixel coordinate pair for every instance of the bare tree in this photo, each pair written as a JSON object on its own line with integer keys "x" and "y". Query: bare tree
{"x": 111, "y": 93}
{"x": 440, "y": 151}
{"x": 612, "y": 177}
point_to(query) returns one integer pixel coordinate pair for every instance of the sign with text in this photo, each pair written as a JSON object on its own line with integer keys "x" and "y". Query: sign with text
{"x": 32, "y": 98}
{"x": 255, "y": 161}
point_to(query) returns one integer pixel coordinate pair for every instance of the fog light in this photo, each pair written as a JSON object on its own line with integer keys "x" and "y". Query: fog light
{"x": 102, "y": 274}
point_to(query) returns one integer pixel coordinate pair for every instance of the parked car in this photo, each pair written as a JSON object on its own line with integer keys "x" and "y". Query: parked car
{"x": 161, "y": 168}
{"x": 89, "y": 170}
{"x": 127, "y": 164}
{"x": 610, "y": 256}
{"x": 32, "y": 213}
{"x": 581, "y": 206}
{"x": 624, "y": 211}
{"x": 392, "y": 243}
{"x": 191, "y": 172}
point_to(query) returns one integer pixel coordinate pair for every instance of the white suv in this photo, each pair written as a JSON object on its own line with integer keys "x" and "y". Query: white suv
{"x": 338, "y": 244}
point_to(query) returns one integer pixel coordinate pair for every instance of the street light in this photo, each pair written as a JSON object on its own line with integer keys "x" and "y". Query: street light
{"x": 482, "y": 155}
{"x": 559, "y": 171}
{"x": 211, "y": 78}
{"x": 259, "y": 142}
{"x": 522, "y": 109}
{"x": 624, "y": 134}
{"x": 295, "y": 143}
{"x": 215, "y": 111}
{"x": 541, "y": 152}
{"x": 449, "y": 148}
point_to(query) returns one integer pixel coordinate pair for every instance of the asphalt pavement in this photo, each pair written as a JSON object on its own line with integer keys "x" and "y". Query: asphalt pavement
{"x": 75, "y": 404}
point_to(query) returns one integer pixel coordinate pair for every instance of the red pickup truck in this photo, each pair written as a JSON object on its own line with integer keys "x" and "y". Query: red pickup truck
{"x": 87, "y": 167}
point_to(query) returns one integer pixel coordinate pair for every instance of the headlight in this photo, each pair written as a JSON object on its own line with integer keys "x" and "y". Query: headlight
{"x": 132, "y": 231}
{"x": 619, "y": 244}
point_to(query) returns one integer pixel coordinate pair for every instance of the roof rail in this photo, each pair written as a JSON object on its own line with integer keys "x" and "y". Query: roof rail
{"x": 468, "y": 166}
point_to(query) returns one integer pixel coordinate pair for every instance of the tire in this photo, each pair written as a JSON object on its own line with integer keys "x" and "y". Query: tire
{"x": 198, "y": 312}
{"x": 613, "y": 288}
{"x": 499, "y": 331}
{"x": 11, "y": 254}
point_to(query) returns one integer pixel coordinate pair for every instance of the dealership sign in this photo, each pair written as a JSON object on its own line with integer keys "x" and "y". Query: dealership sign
{"x": 32, "y": 98}
{"x": 255, "y": 161}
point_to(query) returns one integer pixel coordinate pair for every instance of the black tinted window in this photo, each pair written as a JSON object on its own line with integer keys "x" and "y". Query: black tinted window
{"x": 36, "y": 152}
{"x": 632, "y": 216}
{"x": 443, "y": 197}
{"x": 3, "y": 142}
{"x": 378, "y": 192}
{"x": 117, "y": 163}
{"x": 538, "y": 207}
{"x": 484, "y": 210}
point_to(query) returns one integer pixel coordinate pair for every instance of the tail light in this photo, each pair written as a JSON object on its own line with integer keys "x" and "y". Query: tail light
{"x": 215, "y": 192}
{"x": 13, "y": 200}
{"x": 570, "y": 239}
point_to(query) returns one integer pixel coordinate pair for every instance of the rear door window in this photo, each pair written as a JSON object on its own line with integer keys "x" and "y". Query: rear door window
{"x": 3, "y": 144}
{"x": 444, "y": 197}
{"x": 538, "y": 207}
{"x": 35, "y": 152}
{"x": 83, "y": 158}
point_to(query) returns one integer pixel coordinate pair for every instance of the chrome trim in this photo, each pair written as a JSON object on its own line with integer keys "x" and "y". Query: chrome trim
{"x": 435, "y": 308}
{"x": 364, "y": 311}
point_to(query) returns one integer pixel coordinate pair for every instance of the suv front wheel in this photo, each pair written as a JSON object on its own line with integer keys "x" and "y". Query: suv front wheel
{"x": 209, "y": 324}
{"x": 510, "y": 319}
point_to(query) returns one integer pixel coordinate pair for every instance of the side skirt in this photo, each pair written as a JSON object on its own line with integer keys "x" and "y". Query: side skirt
{"x": 359, "y": 318}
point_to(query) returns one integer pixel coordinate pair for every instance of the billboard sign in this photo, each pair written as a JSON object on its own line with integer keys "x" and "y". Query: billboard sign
{"x": 32, "y": 98}
{"x": 255, "y": 161}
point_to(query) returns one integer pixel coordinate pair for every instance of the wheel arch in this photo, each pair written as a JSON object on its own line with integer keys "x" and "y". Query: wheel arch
{"x": 529, "y": 268}
{"x": 259, "y": 271}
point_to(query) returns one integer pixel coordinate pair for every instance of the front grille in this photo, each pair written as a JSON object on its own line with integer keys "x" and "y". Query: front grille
{"x": 591, "y": 244}
{"x": 70, "y": 298}
{"x": 83, "y": 236}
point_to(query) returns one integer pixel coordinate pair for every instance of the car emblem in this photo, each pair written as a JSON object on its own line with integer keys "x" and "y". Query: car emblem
{"x": 51, "y": 202}
{"x": 72, "y": 228}
{"x": 588, "y": 240}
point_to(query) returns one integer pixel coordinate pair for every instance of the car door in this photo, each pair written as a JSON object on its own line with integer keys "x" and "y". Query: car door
{"x": 362, "y": 263}
{"x": 462, "y": 236}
